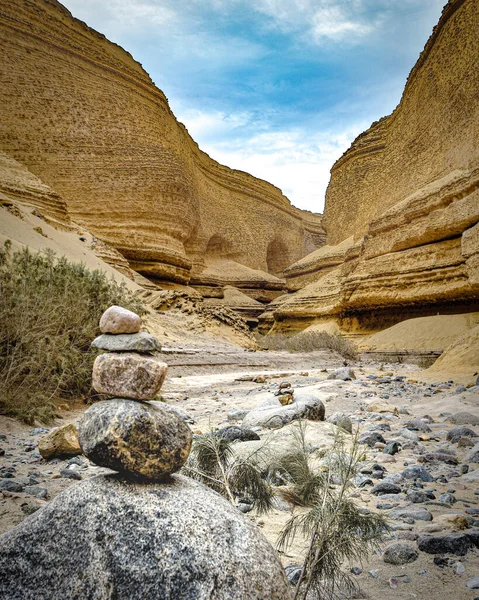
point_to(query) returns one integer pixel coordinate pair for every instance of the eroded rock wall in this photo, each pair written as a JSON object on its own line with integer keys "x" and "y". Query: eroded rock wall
{"x": 402, "y": 206}
{"x": 85, "y": 118}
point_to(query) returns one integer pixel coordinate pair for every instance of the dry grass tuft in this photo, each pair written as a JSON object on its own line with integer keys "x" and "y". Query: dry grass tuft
{"x": 308, "y": 342}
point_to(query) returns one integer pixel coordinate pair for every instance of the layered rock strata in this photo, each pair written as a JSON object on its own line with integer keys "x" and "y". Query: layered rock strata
{"x": 82, "y": 115}
{"x": 402, "y": 206}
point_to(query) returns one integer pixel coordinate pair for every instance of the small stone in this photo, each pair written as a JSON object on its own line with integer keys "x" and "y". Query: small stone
{"x": 137, "y": 376}
{"x": 417, "y": 497}
{"x": 458, "y": 432}
{"x": 36, "y": 490}
{"x": 293, "y": 573}
{"x": 119, "y": 320}
{"x": 409, "y": 435}
{"x": 415, "y": 472}
{"x": 135, "y": 438}
{"x": 417, "y": 425}
{"x": 237, "y": 415}
{"x": 447, "y": 498}
{"x": 473, "y": 455}
{"x": 464, "y": 418}
{"x": 7, "y": 485}
{"x": 235, "y": 433}
{"x": 453, "y": 543}
{"x": 371, "y": 438}
{"x": 286, "y": 399}
{"x": 391, "y": 448}
{"x": 127, "y": 342}
{"x": 400, "y": 554}
{"x": 344, "y": 373}
{"x": 70, "y": 474}
{"x": 473, "y": 583}
{"x": 244, "y": 508}
{"x": 406, "y": 514}
{"x": 385, "y": 488}
{"x": 60, "y": 442}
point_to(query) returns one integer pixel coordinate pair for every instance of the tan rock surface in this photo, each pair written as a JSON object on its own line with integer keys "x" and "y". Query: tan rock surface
{"x": 402, "y": 206}
{"x": 62, "y": 441}
{"x": 126, "y": 169}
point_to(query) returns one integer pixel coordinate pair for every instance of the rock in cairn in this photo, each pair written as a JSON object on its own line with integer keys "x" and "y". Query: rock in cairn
{"x": 127, "y": 433}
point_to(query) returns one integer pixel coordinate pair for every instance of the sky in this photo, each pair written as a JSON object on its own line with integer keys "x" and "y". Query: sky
{"x": 277, "y": 88}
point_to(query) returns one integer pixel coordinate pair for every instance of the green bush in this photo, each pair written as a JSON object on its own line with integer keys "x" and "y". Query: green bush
{"x": 308, "y": 342}
{"x": 49, "y": 313}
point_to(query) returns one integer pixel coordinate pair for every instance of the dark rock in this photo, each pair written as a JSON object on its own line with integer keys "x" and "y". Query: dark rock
{"x": 417, "y": 497}
{"x": 175, "y": 540}
{"x": 391, "y": 448}
{"x": 8, "y": 485}
{"x": 236, "y": 433}
{"x": 473, "y": 583}
{"x": 453, "y": 543}
{"x": 473, "y": 455}
{"x": 371, "y": 438}
{"x": 458, "y": 432}
{"x": 400, "y": 554}
{"x": 385, "y": 488}
{"x": 445, "y": 457}
{"x": 127, "y": 342}
{"x": 70, "y": 474}
{"x": 415, "y": 472}
{"x": 135, "y": 438}
{"x": 447, "y": 498}
{"x": 417, "y": 425}
{"x": 293, "y": 573}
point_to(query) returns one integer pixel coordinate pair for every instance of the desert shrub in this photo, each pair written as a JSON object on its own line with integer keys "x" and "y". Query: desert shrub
{"x": 213, "y": 462}
{"x": 49, "y": 313}
{"x": 334, "y": 527}
{"x": 310, "y": 341}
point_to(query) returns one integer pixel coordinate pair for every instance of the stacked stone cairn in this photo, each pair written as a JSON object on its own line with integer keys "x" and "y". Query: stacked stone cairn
{"x": 131, "y": 433}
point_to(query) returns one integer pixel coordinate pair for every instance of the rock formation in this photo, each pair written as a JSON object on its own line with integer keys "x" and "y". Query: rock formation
{"x": 143, "y": 532}
{"x": 402, "y": 206}
{"x": 84, "y": 117}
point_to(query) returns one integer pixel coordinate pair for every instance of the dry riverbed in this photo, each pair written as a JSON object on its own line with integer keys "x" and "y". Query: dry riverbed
{"x": 383, "y": 400}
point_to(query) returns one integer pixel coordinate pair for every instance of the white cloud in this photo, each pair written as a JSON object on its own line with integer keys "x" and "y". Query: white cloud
{"x": 295, "y": 160}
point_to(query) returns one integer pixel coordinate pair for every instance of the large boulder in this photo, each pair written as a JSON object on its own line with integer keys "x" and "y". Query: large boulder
{"x": 135, "y": 438}
{"x": 129, "y": 375}
{"x": 107, "y": 538}
{"x": 60, "y": 442}
{"x": 276, "y": 416}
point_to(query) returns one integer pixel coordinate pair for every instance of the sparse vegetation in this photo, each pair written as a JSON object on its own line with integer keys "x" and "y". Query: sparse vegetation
{"x": 336, "y": 530}
{"x": 49, "y": 313}
{"x": 308, "y": 342}
{"x": 213, "y": 462}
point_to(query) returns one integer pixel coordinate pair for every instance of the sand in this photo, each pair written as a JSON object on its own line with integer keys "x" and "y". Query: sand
{"x": 423, "y": 333}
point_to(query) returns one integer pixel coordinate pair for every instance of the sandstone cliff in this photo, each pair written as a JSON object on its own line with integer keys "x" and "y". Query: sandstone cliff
{"x": 85, "y": 118}
{"x": 402, "y": 206}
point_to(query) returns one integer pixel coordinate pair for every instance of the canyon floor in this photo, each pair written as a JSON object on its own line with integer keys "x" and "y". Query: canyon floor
{"x": 207, "y": 384}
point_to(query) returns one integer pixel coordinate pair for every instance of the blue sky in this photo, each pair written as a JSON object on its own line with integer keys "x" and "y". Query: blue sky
{"x": 277, "y": 88}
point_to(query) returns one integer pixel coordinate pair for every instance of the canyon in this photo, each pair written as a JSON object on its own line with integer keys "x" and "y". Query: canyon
{"x": 89, "y": 141}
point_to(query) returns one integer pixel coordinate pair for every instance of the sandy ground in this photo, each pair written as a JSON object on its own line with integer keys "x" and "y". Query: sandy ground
{"x": 209, "y": 396}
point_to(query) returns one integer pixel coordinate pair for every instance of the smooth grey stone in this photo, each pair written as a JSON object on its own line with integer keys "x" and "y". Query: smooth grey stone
{"x": 391, "y": 448}
{"x": 175, "y": 540}
{"x": 70, "y": 474}
{"x": 464, "y": 418}
{"x": 274, "y": 417}
{"x": 473, "y": 583}
{"x": 127, "y": 342}
{"x": 417, "y": 425}
{"x": 36, "y": 490}
{"x": 416, "y": 514}
{"x": 235, "y": 433}
{"x": 237, "y": 415}
{"x": 371, "y": 438}
{"x": 9, "y": 485}
{"x": 400, "y": 554}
